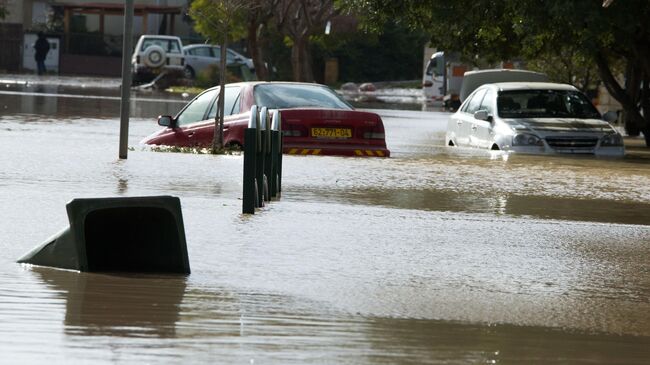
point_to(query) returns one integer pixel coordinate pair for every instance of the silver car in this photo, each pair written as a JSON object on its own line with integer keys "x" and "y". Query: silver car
{"x": 198, "y": 57}
{"x": 533, "y": 117}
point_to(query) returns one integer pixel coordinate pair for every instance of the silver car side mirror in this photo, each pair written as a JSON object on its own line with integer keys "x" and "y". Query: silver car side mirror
{"x": 610, "y": 117}
{"x": 482, "y": 115}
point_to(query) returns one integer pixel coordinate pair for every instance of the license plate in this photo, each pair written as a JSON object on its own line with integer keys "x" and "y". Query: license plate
{"x": 331, "y": 132}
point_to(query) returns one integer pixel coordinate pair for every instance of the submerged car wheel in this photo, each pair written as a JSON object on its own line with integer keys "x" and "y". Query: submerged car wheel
{"x": 188, "y": 72}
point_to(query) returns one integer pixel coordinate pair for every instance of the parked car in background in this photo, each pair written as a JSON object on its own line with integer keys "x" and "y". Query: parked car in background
{"x": 315, "y": 120}
{"x": 154, "y": 54}
{"x": 200, "y": 56}
{"x": 535, "y": 118}
{"x": 445, "y": 74}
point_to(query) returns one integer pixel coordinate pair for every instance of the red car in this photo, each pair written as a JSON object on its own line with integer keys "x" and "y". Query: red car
{"x": 315, "y": 120}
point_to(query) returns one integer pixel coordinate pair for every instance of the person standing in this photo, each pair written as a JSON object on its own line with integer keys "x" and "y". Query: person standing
{"x": 42, "y": 46}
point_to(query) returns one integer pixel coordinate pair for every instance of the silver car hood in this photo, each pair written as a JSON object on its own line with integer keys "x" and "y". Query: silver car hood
{"x": 545, "y": 126}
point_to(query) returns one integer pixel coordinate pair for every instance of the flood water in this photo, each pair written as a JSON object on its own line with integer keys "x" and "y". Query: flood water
{"x": 435, "y": 255}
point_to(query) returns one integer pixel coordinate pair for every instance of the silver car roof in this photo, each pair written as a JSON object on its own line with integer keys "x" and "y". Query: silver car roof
{"x": 508, "y": 86}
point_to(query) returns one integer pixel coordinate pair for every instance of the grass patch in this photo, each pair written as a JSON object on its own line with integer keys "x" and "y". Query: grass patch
{"x": 184, "y": 89}
{"x": 235, "y": 150}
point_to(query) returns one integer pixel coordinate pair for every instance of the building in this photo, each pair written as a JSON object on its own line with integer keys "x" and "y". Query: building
{"x": 85, "y": 37}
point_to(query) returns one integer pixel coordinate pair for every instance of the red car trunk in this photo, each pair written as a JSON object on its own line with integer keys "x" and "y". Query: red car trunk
{"x": 333, "y": 132}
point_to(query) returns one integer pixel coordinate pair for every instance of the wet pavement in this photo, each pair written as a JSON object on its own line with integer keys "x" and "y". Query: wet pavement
{"x": 436, "y": 255}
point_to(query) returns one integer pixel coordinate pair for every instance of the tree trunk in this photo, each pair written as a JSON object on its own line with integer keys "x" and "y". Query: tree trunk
{"x": 296, "y": 64}
{"x": 217, "y": 140}
{"x": 256, "y": 52}
{"x": 645, "y": 105}
{"x": 300, "y": 60}
{"x": 307, "y": 72}
{"x": 628, "y": 97}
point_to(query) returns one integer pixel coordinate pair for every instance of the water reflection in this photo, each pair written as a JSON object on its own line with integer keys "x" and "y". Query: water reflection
{"x": 121, "y": 177}
{"x": 64, "y": 101}
{"x": 433, "y": 342}
{"x": 236, "y": 326}
{"x": 545, "y": 207}
{"x": 116, "y": 305}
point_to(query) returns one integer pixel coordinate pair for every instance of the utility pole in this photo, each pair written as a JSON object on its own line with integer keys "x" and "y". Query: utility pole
{"x": 126, "y": 78}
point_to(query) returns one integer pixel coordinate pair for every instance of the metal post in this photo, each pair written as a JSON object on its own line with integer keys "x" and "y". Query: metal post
{"x": 280, "y": 143}
{"x": 276, "y": 153}
{"x": 260, "y": 160}
{"x": 249, "y": 199}
{"x": 273, "y": 184}
{"x": 268, "y": 159}
{"x": 126, "y": 78}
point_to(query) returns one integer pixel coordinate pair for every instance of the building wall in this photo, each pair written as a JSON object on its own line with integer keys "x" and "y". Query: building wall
{"x": 113, "y": 24}
{"x": 16, "y": 11}
{"x": 32, "y": 14}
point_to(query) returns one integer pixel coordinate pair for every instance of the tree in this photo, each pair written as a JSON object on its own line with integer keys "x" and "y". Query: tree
{"x": 567, "y": 65}
{"x": 3, "y": 9}
{"x": 392, "y": 53}
{"x": 258, "y": 17}
{"x": 607, "y": 36}
{"x": 220, "y": 19}
{"x": 300, "y": 19}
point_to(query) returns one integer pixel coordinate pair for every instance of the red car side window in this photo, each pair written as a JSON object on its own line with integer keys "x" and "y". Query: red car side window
{"x": 196, "y": 109}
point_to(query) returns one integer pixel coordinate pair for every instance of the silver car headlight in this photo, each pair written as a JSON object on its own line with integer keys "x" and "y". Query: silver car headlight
{"x": 611, "y": 140}
{"x": 525, "y": 139}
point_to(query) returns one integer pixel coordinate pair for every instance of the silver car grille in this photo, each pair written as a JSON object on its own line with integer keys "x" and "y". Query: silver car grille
{"x": 572, "y": 142}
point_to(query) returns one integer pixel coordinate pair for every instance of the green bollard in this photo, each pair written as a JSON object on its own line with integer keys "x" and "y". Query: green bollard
{"x": 251, "y": 143}
{"x": 275, "y": 136}
{"x": 277, "y": 125}
{"x": 249, "y": 201}
{"x": 259, "y": 157}
{"x": 268, "y": 160}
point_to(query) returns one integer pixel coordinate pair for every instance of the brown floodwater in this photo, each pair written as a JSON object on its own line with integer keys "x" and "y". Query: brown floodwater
{"x": 436, "y": 255}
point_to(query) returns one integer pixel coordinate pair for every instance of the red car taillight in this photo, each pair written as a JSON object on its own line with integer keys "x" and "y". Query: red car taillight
{"x": 374, "y": 132}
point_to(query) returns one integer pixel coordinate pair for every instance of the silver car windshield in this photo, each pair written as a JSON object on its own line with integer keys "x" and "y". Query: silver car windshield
{"x": 284, "y": 96}
{"x": 545, "y": 104}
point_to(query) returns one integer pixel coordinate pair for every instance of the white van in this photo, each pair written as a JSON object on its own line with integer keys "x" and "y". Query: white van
{"x": 442, "y": 79}
{"x": 154, "y": 54}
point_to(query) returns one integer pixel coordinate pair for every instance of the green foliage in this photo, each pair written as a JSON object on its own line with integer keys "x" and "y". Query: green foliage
{"x": 582, "y": 32}
{"x": 567, "y": 65}
{"x": 212, "y": 75}
{"x": 3, "y": 9}
{"x": 395, "y": 54}
{"x": 278, "y": 53}
{"x": 215, "y": 19}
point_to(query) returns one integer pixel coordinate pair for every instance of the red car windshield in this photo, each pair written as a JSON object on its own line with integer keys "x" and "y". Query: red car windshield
{"x": 285, "y": 96}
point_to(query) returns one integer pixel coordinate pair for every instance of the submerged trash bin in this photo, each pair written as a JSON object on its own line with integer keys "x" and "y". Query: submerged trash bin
{"x": 133, "y": 234}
